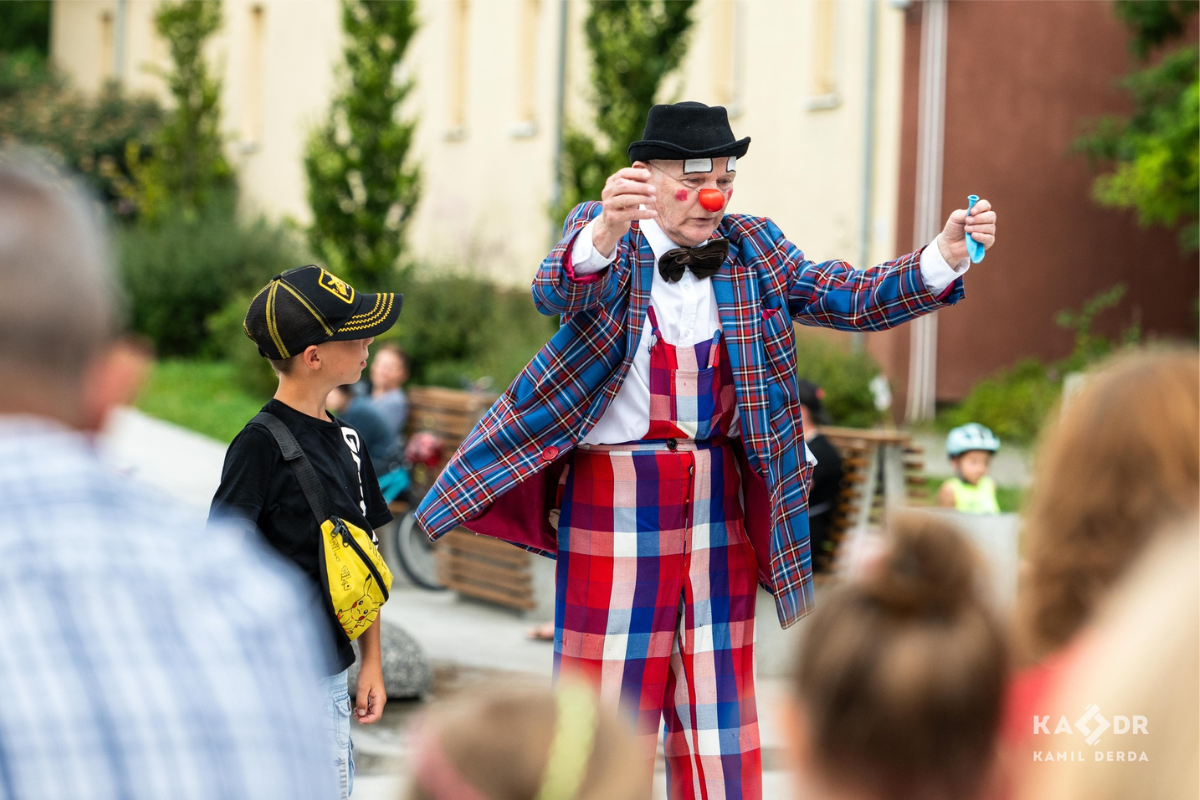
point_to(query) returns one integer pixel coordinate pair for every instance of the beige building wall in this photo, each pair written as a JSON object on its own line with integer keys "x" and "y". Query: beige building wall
{"x": 486, "y": 71}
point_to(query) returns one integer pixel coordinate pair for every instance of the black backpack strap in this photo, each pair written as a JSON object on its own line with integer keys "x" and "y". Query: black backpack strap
{"x": 293, "y": 454}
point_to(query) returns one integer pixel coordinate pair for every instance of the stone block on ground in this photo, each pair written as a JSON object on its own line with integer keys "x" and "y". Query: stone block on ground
{"x": 406, "y": 671}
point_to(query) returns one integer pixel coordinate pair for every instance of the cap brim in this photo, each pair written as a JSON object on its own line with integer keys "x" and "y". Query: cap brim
{"x": 376, "y": 313}
{"x": 650, "y": 149}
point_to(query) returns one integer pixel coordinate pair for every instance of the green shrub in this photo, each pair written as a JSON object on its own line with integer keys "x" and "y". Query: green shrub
{"x": 1012, "y": 402}
{"x": 844, "y": 375}
{"x": 101, "y": 137}
{"x": 459, "y": 328}
{"x": 179, "y": 272}
{"x": 251, "y": 372}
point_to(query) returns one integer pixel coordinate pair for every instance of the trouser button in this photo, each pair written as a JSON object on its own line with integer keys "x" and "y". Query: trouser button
{"x": 672, "y": 444}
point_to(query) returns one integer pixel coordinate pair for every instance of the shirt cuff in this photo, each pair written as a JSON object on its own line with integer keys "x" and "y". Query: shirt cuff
{"x": 584, "y": 258}
{"x": 937, "y": 274}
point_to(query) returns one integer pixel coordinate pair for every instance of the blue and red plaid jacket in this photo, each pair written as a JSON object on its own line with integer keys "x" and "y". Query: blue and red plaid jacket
{"x": 503, "y": 479}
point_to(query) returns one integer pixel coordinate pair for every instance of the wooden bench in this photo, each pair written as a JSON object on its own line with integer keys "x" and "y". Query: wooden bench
{"x": 471, "y": 565}
{"x": 882, "y": 468}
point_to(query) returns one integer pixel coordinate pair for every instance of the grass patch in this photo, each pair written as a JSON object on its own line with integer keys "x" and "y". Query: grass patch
{"x": 202, "y": 396}
{"x": 1009, "y": 498}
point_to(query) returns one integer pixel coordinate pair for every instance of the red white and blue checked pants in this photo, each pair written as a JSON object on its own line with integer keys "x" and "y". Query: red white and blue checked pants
{"x": 656, "y": 583}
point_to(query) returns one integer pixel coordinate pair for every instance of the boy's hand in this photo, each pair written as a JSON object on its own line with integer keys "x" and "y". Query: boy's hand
{"x": 368, "y": 706}
{"x": 372, "y": 697}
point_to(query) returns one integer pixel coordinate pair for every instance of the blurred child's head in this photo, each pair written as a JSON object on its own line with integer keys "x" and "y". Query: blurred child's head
{"x": 389, "y": 368}
{"x": 970, "y": 448}
{"x": 339, "y": 397}
{"x": 901, "y": 676}
{"x": 519, "y": 744}
{"x": 1121, "y": 460}
{"x": 972, "y": 465}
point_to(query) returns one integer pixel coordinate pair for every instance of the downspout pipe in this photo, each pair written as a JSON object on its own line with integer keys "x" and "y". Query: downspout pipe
{"x": 858, "y": 339}
{"x": 560, "y": 119}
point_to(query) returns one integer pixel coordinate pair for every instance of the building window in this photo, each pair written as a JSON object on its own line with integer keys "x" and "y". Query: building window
{"x": 527, "y": 49}
{"x": 729, "y": 62}
{"x": 107, "y": 46}
{"x": 456, "y": 122}
{"x": 254, "y": 93}
{"x": 823, "y": 91}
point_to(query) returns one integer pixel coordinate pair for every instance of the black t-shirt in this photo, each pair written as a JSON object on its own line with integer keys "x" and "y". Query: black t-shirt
{"x": 822, "y": 499}
{"x": 257, "y": 485}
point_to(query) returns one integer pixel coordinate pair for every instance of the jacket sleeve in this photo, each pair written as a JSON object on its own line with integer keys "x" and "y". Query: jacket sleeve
{"x": 556, "y": 289}
{"x": 833, "y": 294}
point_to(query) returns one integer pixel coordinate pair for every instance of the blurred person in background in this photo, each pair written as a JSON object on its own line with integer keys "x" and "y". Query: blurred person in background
{"x": 1139, "y": 663}
{"x": 527, "y": 745}
{"x": 899, "y": 687}
{"x": 358, "y": 413}
{"x": 970, "y": 449}
{"x": 142, "y": 655}
{"x": 389, "y": 373}
{"x": 826, "y": 477}
{"x": 1118, "y": 463}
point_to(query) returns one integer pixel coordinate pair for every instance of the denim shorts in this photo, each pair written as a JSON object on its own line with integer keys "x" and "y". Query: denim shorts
{"x": 337, "y": 723}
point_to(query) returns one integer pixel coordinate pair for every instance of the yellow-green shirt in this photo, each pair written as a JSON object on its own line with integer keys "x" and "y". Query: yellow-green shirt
{"x": 977, "y": 499}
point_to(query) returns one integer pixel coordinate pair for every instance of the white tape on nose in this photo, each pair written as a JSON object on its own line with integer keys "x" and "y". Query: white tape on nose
{"x": 697, "y": 165}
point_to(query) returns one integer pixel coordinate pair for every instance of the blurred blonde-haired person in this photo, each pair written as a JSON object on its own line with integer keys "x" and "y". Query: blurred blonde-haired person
{"x": 1139, "y": 665}
{"x": 900, "y": 682}
{"x": 1119, "y": 462}
{"x": 525, "y": 744}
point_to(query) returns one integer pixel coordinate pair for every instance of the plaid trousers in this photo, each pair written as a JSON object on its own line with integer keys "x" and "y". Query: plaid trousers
{"x": 656, "y": 584}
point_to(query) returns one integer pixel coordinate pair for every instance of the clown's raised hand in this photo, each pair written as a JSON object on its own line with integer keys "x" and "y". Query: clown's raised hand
{"x": 625, "y": 192}
{"x": 981, "y": 224}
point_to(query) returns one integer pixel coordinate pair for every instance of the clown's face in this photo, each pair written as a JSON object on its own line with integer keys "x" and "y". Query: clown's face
{"x": 680, "y": 213}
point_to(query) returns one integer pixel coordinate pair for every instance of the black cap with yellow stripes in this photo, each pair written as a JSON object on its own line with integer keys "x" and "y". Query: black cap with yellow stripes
{"x": 308, "y": 305}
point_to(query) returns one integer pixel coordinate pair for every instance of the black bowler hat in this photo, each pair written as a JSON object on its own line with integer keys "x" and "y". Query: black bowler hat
{"x": 307, "y": 305}
{"x": 687, "y": 130}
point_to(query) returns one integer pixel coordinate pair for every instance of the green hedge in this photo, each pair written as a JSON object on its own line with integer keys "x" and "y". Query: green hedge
{"x": 1013, "y": 402}
{"x": 180, "y": 271}
{"x": 845, "y": 375}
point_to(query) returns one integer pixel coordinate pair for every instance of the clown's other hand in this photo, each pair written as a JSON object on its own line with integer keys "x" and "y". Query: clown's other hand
{"x": 624, "y": 191}
{"x": 981, "y": 224}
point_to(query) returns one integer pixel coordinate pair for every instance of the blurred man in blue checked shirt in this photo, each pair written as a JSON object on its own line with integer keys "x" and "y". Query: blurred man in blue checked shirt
{"x": 141, "y": 655}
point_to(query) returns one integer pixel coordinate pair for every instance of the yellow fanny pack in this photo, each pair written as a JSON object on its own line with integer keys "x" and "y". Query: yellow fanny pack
{"x": 357, "y": 578}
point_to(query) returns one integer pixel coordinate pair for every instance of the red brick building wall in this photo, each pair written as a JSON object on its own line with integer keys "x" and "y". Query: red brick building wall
{"x": 1022, "y": 76}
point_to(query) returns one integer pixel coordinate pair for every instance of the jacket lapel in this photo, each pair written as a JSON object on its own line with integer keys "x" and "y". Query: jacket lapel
{"x": 738, "y": 305}
{"x": 642, "y": 279}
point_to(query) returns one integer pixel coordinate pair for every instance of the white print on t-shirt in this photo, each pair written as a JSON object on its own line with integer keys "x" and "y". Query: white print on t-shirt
{"x": 351, "y": 438}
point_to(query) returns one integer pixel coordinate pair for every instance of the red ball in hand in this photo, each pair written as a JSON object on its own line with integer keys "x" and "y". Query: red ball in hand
{"x": 712, "y": 199}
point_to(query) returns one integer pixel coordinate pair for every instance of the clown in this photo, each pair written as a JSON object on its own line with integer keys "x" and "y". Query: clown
{"x": 654, "y": 446}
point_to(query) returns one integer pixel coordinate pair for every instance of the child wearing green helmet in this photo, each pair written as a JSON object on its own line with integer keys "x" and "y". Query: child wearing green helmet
{"x": 970, "y": 448}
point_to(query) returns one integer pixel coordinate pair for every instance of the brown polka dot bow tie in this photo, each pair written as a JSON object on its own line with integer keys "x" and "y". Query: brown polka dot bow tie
{"x": 704, "y": 261}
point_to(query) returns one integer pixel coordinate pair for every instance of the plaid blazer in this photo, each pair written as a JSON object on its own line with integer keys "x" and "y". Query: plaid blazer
{"x": 503, "y": 479}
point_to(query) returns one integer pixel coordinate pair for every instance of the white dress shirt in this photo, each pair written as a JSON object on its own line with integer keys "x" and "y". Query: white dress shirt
{"x": 687, "y": 315}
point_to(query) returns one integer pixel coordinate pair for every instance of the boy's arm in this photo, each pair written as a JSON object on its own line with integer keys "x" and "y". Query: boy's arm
{"x": 372, "y": 696}
{"x": 245, "y": 478}
{"x": 945, "y": 496}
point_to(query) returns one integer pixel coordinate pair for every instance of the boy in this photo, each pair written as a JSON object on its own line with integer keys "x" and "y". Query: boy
{"x": 314, "y": 329}
{"x": 970, "y": 448}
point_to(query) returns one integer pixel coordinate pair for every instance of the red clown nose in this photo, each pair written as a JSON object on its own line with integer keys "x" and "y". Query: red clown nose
{"x": 712, "y": 199}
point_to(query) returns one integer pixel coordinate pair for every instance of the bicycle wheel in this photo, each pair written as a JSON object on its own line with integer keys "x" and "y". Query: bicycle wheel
{"x": 415, "y": 553}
